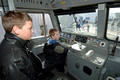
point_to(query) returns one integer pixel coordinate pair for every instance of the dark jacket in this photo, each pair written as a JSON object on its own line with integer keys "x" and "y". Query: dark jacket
{"x": 55, "y": 53}
{"x": 14, "y": 61}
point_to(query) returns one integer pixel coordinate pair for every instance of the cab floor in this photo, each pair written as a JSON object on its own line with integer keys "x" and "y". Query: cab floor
{"x": 61, "y": 75}
{"x": 57, "y": 75}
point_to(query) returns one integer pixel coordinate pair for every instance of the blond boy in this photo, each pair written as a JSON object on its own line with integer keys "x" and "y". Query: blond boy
{"x": 55, "y": 52}
{"x": 14, "y": 61}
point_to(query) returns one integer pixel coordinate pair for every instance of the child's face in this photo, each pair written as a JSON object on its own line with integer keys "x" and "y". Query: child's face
{"x": 56, "y": 36}
{"x": 26, "y": 31}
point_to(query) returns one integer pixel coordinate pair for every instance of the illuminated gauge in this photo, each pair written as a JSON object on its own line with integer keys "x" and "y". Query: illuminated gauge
{"x": 68, "y": 36}
{"x": 78, "y": 38}
{"x": 83, "y": 39}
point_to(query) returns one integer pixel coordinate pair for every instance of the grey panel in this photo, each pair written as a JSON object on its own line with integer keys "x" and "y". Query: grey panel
{"x": 32, "y": 4}
{"x": 56, "y": 4}
{"x": 112, "y": 67}
{"x": 87, "y": 2}
{"x": 87, "y": 68}
{"x": 102, "y": 12}
{"x": 64, "y": 4}
{"x": 37, "y": 44}
{"x": 82, "y": 69}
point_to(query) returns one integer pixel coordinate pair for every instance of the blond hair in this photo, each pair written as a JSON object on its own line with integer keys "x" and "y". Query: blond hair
{"x": 52, "y": 32}
{"x": 15, "y": 17}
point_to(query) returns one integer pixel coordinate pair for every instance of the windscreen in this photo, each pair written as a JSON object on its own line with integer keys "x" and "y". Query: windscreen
{"x": 79, "y": 23}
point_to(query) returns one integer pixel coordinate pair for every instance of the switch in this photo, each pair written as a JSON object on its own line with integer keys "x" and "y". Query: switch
{"x": 102, "y": 44}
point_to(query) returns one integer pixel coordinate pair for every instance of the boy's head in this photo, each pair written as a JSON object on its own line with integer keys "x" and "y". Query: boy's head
{"x": 18, "y": 23}
{"x": 54, "y": 34}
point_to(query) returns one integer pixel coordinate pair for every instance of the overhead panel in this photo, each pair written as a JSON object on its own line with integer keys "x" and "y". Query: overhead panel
{"x": 32, "y": 4}
{"x": 55, "y": 4}
{"x": 88, "y": 2}
{"x": 66, "y": 4}
{"x": 60, "y": 4}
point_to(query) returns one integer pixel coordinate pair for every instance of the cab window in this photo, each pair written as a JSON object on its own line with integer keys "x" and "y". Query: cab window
{"x": 38, "y": 24}
{"x": 84, "y": 23}
{"x": 48, "y": 23}
{"x": 113, "y": 24}
{"x": 2, "y": 31}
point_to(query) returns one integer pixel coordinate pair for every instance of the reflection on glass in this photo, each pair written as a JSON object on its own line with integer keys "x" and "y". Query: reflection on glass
{"x": 82, "y": 23}
{"x": 38, "y": 24}
{"x": 48, "y": 23}
{"x": 113, "y": 27}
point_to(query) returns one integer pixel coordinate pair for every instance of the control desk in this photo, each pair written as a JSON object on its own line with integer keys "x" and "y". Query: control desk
{"x": 86, "y": 56}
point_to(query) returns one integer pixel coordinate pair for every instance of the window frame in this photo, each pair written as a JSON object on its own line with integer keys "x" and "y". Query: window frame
{"x": 43, "y": 23}
{"x": 110, "y": 5}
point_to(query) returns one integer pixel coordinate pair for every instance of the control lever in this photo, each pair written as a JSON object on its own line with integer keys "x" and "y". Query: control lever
{"x": 80, "y": 45}
{"x": 114, "y": 47}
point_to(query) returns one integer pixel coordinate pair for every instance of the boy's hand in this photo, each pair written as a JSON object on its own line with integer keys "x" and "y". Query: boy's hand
{"x": 69, "y": 47}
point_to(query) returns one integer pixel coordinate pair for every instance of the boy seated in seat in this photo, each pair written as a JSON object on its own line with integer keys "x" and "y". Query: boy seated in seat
{"x": 54, "y": 51}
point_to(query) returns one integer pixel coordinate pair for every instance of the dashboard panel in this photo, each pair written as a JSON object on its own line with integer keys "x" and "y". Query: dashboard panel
{"x": 81, "y": 39}
{"x": 65, "y": 37}
{"x": 68, "y": 36}
{"x": 86, "y": 40}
